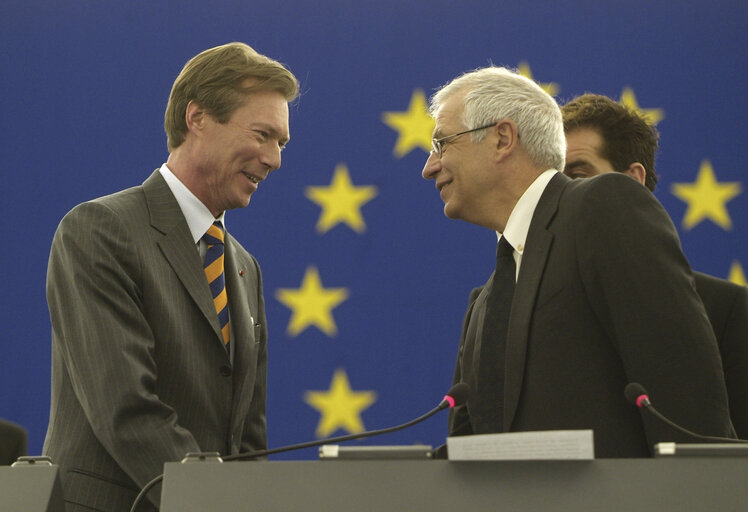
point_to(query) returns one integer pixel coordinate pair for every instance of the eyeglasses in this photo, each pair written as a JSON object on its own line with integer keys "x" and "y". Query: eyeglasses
{"x": 437, "y": 145}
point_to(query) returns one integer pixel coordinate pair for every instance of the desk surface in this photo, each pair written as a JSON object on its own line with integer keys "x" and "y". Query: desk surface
{"x": 656, "y": 485}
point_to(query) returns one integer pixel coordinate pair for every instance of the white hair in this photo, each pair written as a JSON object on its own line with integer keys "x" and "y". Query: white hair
{"x": 495, "y": 93}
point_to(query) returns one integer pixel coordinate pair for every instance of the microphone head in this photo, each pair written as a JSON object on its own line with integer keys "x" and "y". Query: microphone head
{"x": 457, "y": 395}
{"x": 635, "y": 394}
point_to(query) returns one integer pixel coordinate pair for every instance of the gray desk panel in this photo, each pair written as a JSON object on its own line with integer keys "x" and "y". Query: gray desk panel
{"x": 374, "y": 485}
{"x": 30, "y": 489}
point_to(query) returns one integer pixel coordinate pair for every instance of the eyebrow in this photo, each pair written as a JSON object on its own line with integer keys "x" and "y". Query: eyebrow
{"x": 576, "y": 164}
{"x": 272, "y": 131}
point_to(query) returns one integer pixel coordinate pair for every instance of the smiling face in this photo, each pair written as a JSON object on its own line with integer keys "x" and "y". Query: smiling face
{"x": 233, "y": 158}
{"x": 463, "y": 174}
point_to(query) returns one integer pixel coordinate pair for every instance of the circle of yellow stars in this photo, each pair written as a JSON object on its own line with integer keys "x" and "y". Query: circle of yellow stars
{"x": 312, "y": 304}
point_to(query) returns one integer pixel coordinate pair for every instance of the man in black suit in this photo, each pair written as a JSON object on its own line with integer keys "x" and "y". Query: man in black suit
{"x": 12, "y": 442}
{"x": 596, "y": 304}
{"x": 603, "y": 136}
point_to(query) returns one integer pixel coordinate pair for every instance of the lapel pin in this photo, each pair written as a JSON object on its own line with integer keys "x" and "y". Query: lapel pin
{"x": 241, "y": 273}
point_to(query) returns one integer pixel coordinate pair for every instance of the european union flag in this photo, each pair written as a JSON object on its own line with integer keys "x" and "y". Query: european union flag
{"x": 366, "y": 282}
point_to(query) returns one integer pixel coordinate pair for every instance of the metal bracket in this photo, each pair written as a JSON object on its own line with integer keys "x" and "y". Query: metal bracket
{"x": 202, "y": 457}
{"x": 28, "y": 460}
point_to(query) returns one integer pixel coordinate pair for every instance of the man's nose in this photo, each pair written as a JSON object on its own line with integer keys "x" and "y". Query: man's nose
{"x": 271, "y": 157}
{"x": 432, "y": 166}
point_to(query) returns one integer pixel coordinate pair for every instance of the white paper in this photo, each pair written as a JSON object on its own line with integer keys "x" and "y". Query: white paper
{"x": 544, "y": 445}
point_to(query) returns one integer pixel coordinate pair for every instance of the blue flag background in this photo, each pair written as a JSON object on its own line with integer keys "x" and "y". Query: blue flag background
{"x": 366, "y": 281}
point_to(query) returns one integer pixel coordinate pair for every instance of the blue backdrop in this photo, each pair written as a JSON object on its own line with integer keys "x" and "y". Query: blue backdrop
{"x": 366, "y": 281}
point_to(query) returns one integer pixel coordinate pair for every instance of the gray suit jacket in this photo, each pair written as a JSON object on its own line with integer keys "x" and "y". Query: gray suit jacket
{"x": 140, "y": 375}
{"x": 604, "y": 297}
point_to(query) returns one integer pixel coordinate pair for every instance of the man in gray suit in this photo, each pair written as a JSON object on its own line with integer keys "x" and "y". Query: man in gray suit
{"x": 146, "y": 365}
{"x": 603, "y": 136}
{"x": 580, "y": 304}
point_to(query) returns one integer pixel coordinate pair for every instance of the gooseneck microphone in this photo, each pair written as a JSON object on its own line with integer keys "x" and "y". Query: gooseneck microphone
{"x": 456, "y": 396}
{"x": 637, "y": 395}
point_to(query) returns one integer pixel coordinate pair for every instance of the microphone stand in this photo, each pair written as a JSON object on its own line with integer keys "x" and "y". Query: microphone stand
{"x": 339, "y": 439}
{"x": 457, "y": 395}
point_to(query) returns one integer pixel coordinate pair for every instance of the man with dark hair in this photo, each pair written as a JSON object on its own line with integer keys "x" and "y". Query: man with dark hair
{"x": 159, "y": 338}
{"x": 627, "y": 142}
{"x": 603, "y": 136}
{"x": 565, "y": 322}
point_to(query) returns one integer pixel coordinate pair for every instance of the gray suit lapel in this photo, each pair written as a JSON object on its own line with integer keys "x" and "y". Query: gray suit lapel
{"x": 178, "y": 247}
{"x": 241, "y": 283}
{"x": 538, "y": 245}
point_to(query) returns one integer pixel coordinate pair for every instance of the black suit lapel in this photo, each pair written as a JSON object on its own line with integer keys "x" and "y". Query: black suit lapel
{"x": 534, "y": 257}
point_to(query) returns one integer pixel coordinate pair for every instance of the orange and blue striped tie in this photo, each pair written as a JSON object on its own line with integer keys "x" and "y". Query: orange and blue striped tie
{"x": 216, "y": 278}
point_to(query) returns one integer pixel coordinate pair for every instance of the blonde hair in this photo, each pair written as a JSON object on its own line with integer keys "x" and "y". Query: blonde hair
{"x": 220, "y": 80}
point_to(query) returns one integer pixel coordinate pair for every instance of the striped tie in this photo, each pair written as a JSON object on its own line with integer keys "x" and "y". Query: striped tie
{"x": 216, "y": 279}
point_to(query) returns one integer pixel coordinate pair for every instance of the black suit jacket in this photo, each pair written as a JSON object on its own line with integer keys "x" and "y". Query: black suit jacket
{"x": 12, "y": 442}
{"x": 604, "y": 297}
{"x": 726, "y": 304}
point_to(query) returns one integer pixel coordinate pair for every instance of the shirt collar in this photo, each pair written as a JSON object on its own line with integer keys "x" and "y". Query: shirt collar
{"x": 519, "y": 220}
{"x": 197, "y": 215}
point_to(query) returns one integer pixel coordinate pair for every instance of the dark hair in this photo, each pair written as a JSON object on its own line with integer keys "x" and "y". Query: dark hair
{"x": 627, "y": 137}
{"x": 220, "y": 80}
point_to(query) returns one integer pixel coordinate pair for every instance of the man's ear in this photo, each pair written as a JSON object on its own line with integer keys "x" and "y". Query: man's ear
{"x": 637, "y": 171}
{"x": 508, "y": 136}
{"x": 194, "y": 116}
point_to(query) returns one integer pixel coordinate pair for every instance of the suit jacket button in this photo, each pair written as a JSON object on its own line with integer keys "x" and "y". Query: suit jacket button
{"x": 225, "y": 370}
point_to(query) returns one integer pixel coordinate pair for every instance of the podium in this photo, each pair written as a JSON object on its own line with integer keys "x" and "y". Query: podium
{"x": 31, "y": 488}
{"x": 657, "y": 485}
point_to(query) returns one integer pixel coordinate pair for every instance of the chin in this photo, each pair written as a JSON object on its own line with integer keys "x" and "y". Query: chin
{"x": 243, "y": 202}
{"x": 451, "y": 212}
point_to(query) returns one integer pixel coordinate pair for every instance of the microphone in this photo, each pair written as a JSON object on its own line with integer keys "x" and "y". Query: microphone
{"x": 456, "y": 396}
{"x": 637, "y": 395}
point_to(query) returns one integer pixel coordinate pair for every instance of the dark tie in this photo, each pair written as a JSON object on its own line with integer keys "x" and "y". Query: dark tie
{"x": 489, "y": 398}
{"x": 216, "y": 278}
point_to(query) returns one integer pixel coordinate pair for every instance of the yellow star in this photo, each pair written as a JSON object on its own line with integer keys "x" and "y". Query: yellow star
{"x": 311, "y": 304}
{"x": 339, "y": 406}
{"x": 415, "y": 126}
{"x": 737, "y": 275}
{"x": 650, "y": 115}
{"x": 551, "y": 88}
{"x": 706, "y": 198}
{"x": 341, "y": 201}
